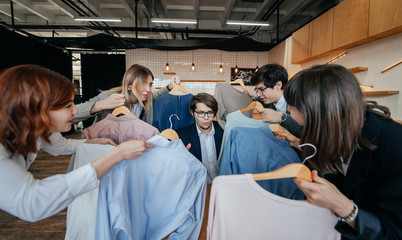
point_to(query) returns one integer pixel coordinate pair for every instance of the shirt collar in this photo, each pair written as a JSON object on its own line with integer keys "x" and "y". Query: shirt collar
{"x": 281, "y": 105}
{"x": 212, "y": 132}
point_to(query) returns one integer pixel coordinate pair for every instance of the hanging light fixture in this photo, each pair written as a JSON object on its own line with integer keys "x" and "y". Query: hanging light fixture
{"x": 256, "y": 68}
{"x": 167, "y": 67}
{"x": 236, "y": 68}
{"x": 192, "y": 65}
{"x": 221, "y": 67}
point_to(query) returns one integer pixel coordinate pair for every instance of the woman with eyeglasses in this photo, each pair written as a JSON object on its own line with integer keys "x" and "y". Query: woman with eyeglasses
{"x": 37, "y": 104}
{"x": 204, "y": 137}
{"x": 359, "y": 152}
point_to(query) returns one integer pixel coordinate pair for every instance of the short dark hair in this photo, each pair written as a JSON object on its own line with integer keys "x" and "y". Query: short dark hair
{"x": 205, "y": 98}
{"x": 270, "y": 74}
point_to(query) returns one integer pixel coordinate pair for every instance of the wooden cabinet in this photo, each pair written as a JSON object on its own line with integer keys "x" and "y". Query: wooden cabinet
{"x": 350, "y": 23}
{"x": 385, "y": 18}
{"x": 300, "y": 43}
{"x": 320, "y": 40}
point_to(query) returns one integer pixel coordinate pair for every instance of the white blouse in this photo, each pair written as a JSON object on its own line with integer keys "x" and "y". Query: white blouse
{"x": 31, "y": 199}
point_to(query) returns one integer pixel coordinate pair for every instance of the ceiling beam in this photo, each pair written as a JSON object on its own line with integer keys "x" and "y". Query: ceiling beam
{"x": 30, "y": 7}
{"x": 130, "y": 6}
{"x": 59, "y": 4}
{"x": 228, "y": 10}
{"x": 196, "y": 6}
{"x": 5, "y": 9}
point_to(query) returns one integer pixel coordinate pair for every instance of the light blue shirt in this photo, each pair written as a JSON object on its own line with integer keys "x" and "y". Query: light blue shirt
{"x": 237, "y": 119}
{"x": 281, "y": 105}
{"x": 257, "y": 150}
{"x": 208, "y": 153}
{"x": 152, "y": 196}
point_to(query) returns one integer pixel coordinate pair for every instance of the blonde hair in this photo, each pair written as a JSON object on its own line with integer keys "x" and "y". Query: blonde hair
{"x": 136, "y": 76}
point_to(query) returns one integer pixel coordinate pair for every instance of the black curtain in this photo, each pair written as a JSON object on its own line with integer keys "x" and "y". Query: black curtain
{"x": 100, "y": 72}
{"x": 16, "y": 49}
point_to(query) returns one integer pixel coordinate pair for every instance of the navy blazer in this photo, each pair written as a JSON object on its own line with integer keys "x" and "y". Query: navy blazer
{"x": 189, "y": 134}
{"x": 374, "y": 182}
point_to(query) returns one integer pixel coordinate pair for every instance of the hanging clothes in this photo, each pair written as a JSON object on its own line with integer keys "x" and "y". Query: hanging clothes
{"x": 257, "y": 150}
{"x": 238, "y": 119}
{"x": 121, "y": 129}
{"x": 240, "y": 209}
{"x": 154, "y": 195}
{"x": 166, "y": 106}
{"x": 229, "y": 100}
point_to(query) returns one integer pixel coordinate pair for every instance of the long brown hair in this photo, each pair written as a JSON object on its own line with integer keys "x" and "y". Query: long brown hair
{"x": 28, "y": 93}
{"x": 333, "y": 105}
{"x": 138, "y": 75}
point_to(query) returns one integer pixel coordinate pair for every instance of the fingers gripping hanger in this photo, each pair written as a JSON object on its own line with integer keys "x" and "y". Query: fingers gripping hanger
{"x": 177, "y": 88}
{"x": 169, "y": 133}
{"x": 254, "y": 106}
{"x": 298, "y": 170}
{"x": 239, "y": 81}
{"x": 121, "y": 110}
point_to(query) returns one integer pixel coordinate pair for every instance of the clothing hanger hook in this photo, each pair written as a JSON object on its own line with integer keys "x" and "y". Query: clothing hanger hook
{"x": 311, "y": 145}
{"x": 170, "y": 119}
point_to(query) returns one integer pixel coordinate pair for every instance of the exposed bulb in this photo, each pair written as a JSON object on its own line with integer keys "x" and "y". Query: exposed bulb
{"x": 167, "y": 68}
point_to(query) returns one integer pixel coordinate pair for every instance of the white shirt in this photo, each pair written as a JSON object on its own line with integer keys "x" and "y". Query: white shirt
{"x": 208, "y": 152}
{"x": 281, "y": 105}
{"x": 31, "y": 199}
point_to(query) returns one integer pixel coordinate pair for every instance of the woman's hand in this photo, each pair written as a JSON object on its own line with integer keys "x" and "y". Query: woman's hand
{"x": 287, "y": 136}
{"x": 175, "y": 80}
{"x": 324, "y": 194}
{"x": 113, "y": 101}
{"x": 101, "y": 141}
{"x": 133, "y": 149}
{"x": 127, "y": 150}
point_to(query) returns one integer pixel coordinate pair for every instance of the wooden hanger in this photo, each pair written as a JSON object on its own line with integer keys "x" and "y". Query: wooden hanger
{"x": 121, "y": 110}
{"x": 239, "y": 81}
{"x": 178, "y": 87}
{"x": 169, "y": 134}
{"x": 254, "y": 106}
{"x": 297, "y": 170}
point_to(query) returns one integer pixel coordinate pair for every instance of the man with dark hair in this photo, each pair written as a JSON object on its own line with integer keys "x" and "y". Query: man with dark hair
{"x": 269, "y": 82}
{"x": 205, "y": 135}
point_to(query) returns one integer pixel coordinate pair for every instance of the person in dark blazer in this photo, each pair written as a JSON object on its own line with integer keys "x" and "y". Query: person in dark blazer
{"x": 205, "y": 135}
{"x": 358, "y": 154}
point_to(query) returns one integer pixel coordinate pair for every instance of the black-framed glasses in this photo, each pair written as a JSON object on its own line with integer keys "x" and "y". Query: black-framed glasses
{"x": 258, "y": 91}
{"x": 202, "y": 114}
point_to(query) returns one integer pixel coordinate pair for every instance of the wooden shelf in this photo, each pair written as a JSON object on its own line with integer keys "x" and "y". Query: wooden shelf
{"x": 380, "y": 92}
{"x": 358, "y": 69}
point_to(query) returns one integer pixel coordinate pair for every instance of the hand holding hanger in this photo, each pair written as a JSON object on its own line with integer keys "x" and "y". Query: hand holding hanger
{"x": 287, "y": 136}
{"x": 270, "y": 115}
{"x": 113, "y": 101}
{"x": 175, "y": 80}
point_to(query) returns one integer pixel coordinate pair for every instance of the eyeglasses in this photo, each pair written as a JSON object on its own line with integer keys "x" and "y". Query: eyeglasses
{"x": 201, "y": 114}
{"x": 258, "y": 91}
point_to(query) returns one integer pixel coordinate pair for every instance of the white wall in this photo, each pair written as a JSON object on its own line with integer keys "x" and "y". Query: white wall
{"x": 207, "y": 64}
{"x": 376, "y": 56}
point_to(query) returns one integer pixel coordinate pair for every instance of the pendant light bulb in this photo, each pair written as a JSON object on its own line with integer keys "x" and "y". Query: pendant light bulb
{"x": 167, "y": 68}
{"x": 236, "y": 69}
{"x": 221, "y": 69}
{"x": 256, "y": 69}
{"x": 192, "y": 67}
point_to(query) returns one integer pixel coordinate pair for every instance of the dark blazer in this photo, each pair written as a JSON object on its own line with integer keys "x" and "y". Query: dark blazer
{"x": 189, "y": 134}
{"x": 374, "y": 182}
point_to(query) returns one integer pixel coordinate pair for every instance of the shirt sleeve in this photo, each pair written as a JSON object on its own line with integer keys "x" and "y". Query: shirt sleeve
{"x": 31, "y": 199}
{"x": 59, "y": 145}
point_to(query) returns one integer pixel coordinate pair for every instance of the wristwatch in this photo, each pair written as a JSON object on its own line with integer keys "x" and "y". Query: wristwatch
{"x": 352, "y": 215}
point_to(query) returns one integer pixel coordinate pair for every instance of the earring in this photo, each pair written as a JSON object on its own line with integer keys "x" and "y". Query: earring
{"x": 129, "y": 88}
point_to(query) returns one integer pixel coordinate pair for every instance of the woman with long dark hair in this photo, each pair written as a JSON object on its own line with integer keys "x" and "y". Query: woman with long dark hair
{"x": 359, "y": 152}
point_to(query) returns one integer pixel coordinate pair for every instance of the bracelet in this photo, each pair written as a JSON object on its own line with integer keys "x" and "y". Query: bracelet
{"x": 352, "y": 215}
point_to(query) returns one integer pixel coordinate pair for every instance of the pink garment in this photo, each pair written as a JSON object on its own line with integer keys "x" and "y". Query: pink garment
{"x": 240, "y": 209}
{"x": 121, "y": 129}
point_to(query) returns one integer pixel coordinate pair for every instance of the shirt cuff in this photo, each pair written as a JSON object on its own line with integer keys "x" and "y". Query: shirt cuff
{"x": 82, "y": 180}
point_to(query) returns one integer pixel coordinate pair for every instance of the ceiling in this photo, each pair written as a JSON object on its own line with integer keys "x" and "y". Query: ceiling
{"x": 53, "y": 22}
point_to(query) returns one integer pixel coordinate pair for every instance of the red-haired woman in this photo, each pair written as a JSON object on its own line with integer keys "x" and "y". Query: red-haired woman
{"x": 37, "y": 104}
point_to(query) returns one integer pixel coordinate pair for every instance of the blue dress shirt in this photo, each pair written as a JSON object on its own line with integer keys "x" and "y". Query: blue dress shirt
{"x": 257, "y": 150}
{"x": 154, "y": 195}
